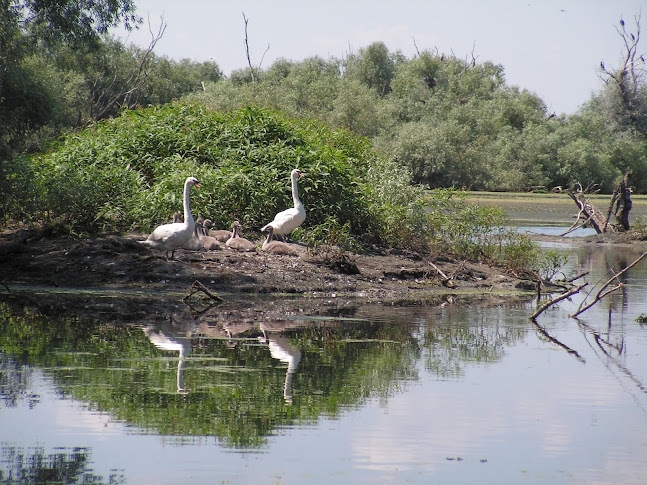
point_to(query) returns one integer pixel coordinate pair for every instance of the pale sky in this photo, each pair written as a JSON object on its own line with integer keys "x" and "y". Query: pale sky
{"x": 552, "y": 48}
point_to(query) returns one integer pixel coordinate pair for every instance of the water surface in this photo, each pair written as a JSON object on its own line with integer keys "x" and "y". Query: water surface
{"x": 458, "y": 393}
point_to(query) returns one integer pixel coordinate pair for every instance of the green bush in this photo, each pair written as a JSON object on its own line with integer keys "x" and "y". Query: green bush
{"x": 476, "y": 232}
{"x": 128, "y": 173}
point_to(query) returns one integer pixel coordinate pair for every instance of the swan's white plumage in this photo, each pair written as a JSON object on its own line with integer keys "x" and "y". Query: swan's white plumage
{"x": 169, "y": 237}
{"x": 288, "y": 220}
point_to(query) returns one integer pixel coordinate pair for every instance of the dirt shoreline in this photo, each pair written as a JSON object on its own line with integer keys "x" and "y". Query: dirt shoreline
{"x": 111, "y": 275}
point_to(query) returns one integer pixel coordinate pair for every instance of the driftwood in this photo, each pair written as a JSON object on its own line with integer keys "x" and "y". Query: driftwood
{"x": 593, "y": 216}
{"x": 447, "y": 280}
{"x": 196, "y": 287}
{"x": 557, "y": 299}
{"x": 604, "y": 291}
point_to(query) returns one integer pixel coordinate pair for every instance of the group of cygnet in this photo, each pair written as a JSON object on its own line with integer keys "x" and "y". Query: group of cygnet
{"x": 197, "y": 235}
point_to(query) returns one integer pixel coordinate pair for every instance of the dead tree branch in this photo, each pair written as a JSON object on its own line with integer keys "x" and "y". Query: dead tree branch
{"x": 557, "y": 299}
{"x": 593, "y": 216}
{"x": 447, "y": 281}
{"x": 105, "y": 99}
{"x": 249, "y": 59}
{"x": 627, "y": 77}
{"x": 196, "y": 287}
{"x": 604, "y": 291}
{"x": 575, "y": 225}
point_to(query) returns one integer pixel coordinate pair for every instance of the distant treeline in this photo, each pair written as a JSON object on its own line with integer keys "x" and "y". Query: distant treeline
{"x": 454, "y": 122}
{"x": 450, "y": 122}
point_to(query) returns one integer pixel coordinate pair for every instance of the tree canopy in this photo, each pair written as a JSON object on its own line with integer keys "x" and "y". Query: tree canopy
{"x": 453, "y": 122}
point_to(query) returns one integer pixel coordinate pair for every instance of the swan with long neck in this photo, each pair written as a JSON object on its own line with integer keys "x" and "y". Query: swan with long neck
{"x": 169, "y": 237}
{"x": 288, "y": 220}
{"x": 194, "y": 243}
{"x": 239, "y": 243}
{"x": 277, "y": 247}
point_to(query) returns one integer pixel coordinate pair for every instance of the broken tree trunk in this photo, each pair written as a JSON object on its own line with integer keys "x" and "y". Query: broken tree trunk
{"x": 624, "y": 203}
{"x": 592, "y": 215}
{"x": 621, "y": 198}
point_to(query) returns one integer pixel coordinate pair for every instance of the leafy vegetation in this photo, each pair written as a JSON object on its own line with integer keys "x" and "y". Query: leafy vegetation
{"x": 435, "y": 120}
{"x": 456, "y": 123}
{"x": 127, "y": 173}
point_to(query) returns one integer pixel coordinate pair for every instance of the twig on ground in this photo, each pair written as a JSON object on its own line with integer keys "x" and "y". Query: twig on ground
{"x": 447, "y": 281}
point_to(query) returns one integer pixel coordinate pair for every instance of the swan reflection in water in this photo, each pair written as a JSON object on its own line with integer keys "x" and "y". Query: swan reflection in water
{"x": 281, "y": 349}
{"x": 165, "y": 339}
{"x": 173, "y": 338}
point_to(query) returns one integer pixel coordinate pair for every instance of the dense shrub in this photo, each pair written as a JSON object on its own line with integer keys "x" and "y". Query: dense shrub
{"x": 128, "y": 173}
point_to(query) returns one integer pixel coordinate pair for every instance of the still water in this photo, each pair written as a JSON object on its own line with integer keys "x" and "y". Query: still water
{"x": 457, "y": 393}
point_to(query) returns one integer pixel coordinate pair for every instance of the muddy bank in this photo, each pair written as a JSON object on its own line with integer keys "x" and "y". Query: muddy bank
{"x": 114, "y": 277}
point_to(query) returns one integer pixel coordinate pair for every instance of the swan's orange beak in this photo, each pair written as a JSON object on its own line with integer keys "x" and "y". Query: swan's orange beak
{"x": 197, "y": 185}
{"x": 301, "y": 174}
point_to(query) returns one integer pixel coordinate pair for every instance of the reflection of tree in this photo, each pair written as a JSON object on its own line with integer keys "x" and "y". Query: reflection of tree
{"x": 476, "y": 336}
{"x": 35, "y": 466}
{"x": 14, "y": 382}
{"x": 238, "y": 391}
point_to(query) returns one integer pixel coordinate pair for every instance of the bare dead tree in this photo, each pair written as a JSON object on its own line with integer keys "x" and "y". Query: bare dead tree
{"x": 622, "y": 199}
{"x": 249, "y": 59}
{"x": 587, "y": 210}
{"x": 416, "y": 46}
{"x": 105, "y": 99}
{"x": 628, "y": 76}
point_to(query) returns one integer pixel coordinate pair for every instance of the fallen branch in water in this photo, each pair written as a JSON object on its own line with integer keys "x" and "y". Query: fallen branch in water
{"x": 197, "y": 286}
{"x": 575, "y": 278}
{"x": 603, "y": 291}
{"x": 557, "y": 299}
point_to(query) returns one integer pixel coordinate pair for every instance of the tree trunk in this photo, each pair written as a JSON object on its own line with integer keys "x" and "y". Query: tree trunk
{"x": 590, "y": 213}
{"x": 623, "y": 206}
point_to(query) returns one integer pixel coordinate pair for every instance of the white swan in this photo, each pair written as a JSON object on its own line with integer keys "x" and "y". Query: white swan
{"x": 277, "y": 247}
{"x": 288, "y": 220}
{"x": 169, "y": 237}
{"x": 237, "y": 242}
{"x": 194, "y": 243}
